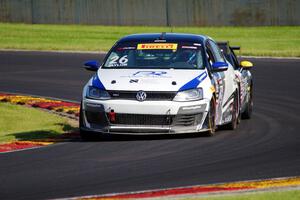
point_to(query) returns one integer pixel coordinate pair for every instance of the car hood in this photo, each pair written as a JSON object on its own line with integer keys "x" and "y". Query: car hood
{"x": 148, "y": 80}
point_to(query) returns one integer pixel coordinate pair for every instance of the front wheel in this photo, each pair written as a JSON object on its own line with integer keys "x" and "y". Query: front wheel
{"x": 85, "y": 135}
{"x": 235, "y": 116}
{"x": 212, "y": 118}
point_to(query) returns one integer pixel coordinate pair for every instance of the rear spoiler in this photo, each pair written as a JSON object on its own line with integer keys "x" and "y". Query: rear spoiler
{"x": 235, "y": 48}
{"x": 225, "y": 44}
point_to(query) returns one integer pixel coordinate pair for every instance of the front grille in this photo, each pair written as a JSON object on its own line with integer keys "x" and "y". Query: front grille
{"x": 101, "y": 118}
{"x": 151, "y": 96}
{"x": 139, "y": 119}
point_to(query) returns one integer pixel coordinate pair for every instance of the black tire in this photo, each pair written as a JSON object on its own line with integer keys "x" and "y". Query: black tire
{"x": 247, "y": 114}
{"x": 235, "y": 114}
{"x": 85, "y": 135}
{"x": 211, "y": 118}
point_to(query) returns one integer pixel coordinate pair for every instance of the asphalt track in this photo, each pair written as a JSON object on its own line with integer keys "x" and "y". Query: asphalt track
{"x": 266, "y": 146}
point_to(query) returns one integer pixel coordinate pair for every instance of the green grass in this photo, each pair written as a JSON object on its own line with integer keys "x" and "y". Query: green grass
{"x": 283, "y": 195}
{"x": 258, "y": 41}
{"x": 23, "y": 123}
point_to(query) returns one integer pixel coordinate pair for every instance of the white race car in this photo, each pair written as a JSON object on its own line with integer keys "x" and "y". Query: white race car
{"x": 160, "y": 84}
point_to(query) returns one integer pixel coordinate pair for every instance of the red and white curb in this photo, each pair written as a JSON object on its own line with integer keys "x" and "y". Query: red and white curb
{"x": 69, "y": 109}
{"x": 203, "y": 190}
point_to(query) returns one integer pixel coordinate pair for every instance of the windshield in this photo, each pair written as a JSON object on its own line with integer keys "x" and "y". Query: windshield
{"x": 156, "y": 55}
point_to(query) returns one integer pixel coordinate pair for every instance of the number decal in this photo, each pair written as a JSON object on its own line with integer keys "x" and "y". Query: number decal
{"x": 116, "y": 61}
{"x": 123, "y": 61}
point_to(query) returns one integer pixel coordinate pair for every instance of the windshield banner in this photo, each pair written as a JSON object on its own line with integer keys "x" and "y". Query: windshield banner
{"x": 172, "y": 46}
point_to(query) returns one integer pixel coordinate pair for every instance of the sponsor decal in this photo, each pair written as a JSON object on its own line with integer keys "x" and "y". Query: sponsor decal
{"x": 159, "y": 40}
{"x": 149, "y": 74}
{"x": 189, "y": 47}
{"x": 125, "y": 48}
{"x": 228, "y": 118}
{"x": 172, "y": 46}
{"x": 134, "y": 81}
{"x": 212, "y": 89}
{"x": 219, "y": 85}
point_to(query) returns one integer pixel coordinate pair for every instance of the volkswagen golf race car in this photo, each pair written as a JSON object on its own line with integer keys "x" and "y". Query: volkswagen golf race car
{"x": 162, "y": 83}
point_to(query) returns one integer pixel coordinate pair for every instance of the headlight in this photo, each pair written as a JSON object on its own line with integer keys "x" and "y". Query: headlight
{"x": 95, "y": 93}
{"x": 189, "y": 95}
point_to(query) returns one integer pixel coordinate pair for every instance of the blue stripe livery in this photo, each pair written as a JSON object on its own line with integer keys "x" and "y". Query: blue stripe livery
{"x": 97, "y": 83}
{"x": 194, "y": 82}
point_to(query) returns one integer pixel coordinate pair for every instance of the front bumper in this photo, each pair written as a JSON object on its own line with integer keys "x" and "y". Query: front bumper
{"x": 142, "y": 118}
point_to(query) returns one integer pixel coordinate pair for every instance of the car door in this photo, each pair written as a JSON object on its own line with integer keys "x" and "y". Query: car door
{"x": 224, "y": 81}
{"x": 229, "y": 79}
{"x": 218, "y": 82}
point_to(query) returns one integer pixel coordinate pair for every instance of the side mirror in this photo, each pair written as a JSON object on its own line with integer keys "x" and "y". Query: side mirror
{"x": 92, "y": 65}
{"x": 219, "y": 66}
{"x": 246, "y": 64}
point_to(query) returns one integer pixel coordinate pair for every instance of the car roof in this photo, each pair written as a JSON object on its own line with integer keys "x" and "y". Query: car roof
{"x": 168, "y": 37}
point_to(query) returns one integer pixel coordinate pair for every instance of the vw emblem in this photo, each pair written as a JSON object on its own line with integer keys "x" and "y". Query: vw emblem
{"x": 141, "y": 96}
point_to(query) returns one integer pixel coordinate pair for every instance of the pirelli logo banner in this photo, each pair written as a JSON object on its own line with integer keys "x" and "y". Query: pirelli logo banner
{"x": 171, "y": 46}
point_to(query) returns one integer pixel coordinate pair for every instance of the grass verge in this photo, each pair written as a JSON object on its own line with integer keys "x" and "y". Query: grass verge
{"x": 23, "y": 123}
{"x": 274, "y": 195}
{"x": 255, "y": 41}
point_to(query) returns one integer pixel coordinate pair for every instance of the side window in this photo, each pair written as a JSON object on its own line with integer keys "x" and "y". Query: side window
{"x": 199, "y": 60}
{"x": 235, "y": 61}
{"x": 216, "y": 51}
{"x": 209, "y": 54}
